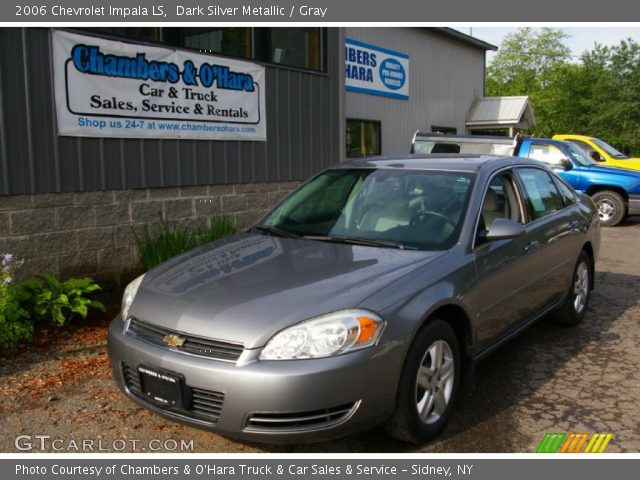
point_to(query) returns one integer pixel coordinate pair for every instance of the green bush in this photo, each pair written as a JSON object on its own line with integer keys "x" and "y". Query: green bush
{"x": 38, "y": 298}
{"x": 49, "y": 298}
{"x": 154, "y": 247}
{"x": 15, "y": 322}
{"x": 220, "y": 227}
{"x": 160, "y": 243}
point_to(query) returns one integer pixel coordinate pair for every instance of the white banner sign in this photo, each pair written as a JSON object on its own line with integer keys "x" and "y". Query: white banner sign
{"x": 106, "y": 88}
{"x": 376, "y": 70}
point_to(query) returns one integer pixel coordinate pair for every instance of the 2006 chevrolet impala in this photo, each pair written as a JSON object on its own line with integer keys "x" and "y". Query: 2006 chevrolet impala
{"x": 358, "y": 299}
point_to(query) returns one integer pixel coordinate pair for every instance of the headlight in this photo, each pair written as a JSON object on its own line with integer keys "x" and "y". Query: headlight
{"x": 325, "y": 336}
{"x": 129, "y": 295}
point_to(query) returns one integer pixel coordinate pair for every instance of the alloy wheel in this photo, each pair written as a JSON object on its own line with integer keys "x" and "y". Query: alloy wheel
{"x": 581, "y": 288}
{"x": 434, "y": 382}
{"x": 606, "y": 210}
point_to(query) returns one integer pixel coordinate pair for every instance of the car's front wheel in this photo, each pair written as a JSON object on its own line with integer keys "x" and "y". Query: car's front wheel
{"x": 428, "y": 385}
{"x": 611, "y": 209}
{"x": 575, "y": 306}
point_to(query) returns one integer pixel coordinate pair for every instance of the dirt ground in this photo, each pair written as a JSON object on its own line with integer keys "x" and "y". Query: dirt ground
{"x": 59, "y": 392}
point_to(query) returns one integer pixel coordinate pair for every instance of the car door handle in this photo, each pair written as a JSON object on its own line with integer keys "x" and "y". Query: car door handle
{"x": 531, "y": 246}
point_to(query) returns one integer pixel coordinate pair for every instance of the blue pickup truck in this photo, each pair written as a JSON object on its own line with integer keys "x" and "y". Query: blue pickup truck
{"x": 615, "y": 191}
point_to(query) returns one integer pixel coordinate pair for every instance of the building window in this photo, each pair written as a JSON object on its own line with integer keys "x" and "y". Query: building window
{"x": 147, "y": 34}
{"x": 296, "y": 47}
{"x": 496, "y": 132}
{"x": 444, "y": 130}
{"x": 363, "y": 138}
{"x": 231, "y": 41}
{"x": 300, "y": 47}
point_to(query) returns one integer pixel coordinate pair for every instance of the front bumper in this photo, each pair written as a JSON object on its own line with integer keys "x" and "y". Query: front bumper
{"x": 269, "y": 401}
{"x": 634, "y": 205}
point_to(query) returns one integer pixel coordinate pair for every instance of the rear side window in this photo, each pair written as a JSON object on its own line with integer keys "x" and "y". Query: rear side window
{"x": 566, "y": 192}
{"x": 549, "y": 154}
{"x": 541, "y": 194}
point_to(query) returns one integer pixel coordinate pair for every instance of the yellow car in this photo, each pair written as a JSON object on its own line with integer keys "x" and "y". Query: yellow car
{"x": 601, "y": 151}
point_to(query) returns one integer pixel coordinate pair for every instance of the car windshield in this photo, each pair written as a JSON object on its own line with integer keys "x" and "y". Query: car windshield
{"x": 612, "y": 152}
{"x": 578, "y": 155}
{"x": 409, "y": 209}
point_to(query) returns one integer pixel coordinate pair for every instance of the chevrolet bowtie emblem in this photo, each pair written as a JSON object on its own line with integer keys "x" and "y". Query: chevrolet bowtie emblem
{"x": 173, "y": 340}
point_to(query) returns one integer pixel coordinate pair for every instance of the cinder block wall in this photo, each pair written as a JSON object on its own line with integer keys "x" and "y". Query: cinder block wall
{"x": 92, "y": 233}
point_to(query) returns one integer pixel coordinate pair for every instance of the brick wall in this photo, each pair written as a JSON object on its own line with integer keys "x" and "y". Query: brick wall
{"x": 91, "y": 233}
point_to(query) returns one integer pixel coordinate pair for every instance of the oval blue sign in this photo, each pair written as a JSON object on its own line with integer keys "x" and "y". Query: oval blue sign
{"x": 392, "y": 74}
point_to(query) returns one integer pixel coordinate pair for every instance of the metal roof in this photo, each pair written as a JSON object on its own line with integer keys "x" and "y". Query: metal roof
{"x": 469, "y": 40}
{"x": 503, "y": 111}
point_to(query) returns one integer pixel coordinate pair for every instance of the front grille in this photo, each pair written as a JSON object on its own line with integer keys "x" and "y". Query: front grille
{"x": 300, "y": 420}
{"x": 132, "y": 380}
{"x": 206, "y": 405}
{"x": 204, "y": 347}
{"x": 206, "y": 402}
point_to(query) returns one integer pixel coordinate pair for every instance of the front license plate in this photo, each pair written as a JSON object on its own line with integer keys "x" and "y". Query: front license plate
{"x": 162, "y": 387}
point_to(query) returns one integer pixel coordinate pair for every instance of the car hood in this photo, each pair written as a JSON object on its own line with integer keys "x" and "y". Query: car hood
{"x": 628, "y": 163}
{"x": 247, "y": 288}
{"x": 610, "y": 170}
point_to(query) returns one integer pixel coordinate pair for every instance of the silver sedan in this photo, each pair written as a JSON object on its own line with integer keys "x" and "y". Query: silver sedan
{"x": 361, "y": 299}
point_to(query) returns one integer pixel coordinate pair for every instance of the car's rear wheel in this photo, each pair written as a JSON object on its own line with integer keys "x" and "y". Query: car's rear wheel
{"x": 610, "y": 206}
{"x": 428, "y": 385}
{"x": 575, "y": 306}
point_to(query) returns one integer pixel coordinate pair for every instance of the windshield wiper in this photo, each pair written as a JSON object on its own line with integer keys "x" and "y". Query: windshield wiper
{"x": 358, "y": 241}
{"x": 278, "y": 232}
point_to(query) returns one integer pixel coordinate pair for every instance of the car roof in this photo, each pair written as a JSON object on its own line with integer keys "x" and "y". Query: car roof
{"x": 566, "y": 136}
{"x": 438, "y": 161}
{"x": 552, "y": 141}
{"x": 443, "y": 137}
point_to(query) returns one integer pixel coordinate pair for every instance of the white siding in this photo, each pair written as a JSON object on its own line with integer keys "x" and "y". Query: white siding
{"x": 445, "y": 77}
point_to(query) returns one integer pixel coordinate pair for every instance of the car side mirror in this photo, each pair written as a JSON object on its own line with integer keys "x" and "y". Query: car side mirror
{"x": 503, "y": 229}
{"x": 596, "y": 156}
{"x": 557, "y": 163}
{"x": 566, "y": 164}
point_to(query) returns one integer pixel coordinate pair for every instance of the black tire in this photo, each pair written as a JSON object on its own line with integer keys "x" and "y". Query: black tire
{"x": 406, "y": 423}
{"x": 575, "y": 306}
{"x": 610, "y": 205}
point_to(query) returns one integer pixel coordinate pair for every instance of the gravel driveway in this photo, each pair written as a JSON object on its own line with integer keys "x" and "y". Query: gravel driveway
{"x": 59, "y": 394}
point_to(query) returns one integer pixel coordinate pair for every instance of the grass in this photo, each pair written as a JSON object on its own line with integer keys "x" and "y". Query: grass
{"x": 158, "y": 243}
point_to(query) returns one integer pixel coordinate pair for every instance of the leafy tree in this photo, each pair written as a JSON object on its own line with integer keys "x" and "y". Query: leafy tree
{"x": 599, "y": 95}
{"x": 524, "y": 61}
{"x": 531, "y": 63}
{"x": 614, "y": 113}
